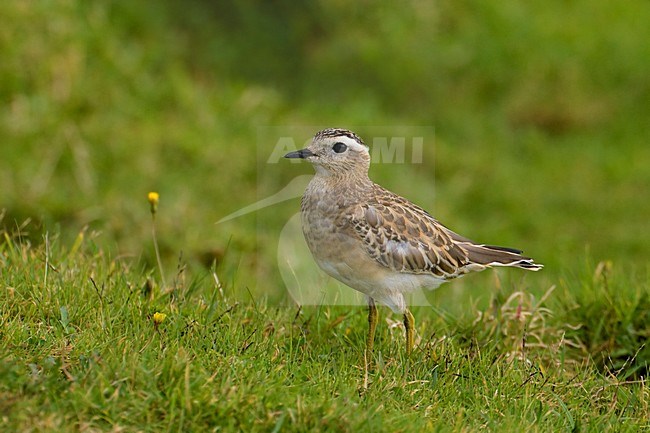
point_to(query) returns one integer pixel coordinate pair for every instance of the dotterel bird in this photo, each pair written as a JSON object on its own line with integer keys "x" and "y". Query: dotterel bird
{"x": 377, "y": 242}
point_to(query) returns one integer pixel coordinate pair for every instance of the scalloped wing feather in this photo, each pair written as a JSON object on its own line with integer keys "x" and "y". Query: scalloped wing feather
{"x": 405, "y": 238}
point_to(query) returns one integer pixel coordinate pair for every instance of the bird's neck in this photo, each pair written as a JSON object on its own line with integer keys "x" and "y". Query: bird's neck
{"x": 349, "y": 184}
{"x": 341, "y": 178}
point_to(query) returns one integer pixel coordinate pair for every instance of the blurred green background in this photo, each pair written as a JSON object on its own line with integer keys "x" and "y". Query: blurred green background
{"x": 541, "y": 114}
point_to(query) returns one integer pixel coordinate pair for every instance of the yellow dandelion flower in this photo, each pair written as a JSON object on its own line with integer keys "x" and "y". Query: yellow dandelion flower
{"x": 158, "y": 318}
{"x": 153, "y": 198}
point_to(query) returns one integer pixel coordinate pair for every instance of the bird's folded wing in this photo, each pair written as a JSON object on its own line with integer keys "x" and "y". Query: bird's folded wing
{"x": 405, "y": 238}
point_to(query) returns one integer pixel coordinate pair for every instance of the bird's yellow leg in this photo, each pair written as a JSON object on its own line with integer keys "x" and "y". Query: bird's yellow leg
{"x": 372, "y": 325}
{"x": 370, "y": 341}
{"x": 409, "y": 326}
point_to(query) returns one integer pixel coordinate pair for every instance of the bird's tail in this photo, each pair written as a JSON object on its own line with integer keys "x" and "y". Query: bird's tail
{"x": 489, "y": 255}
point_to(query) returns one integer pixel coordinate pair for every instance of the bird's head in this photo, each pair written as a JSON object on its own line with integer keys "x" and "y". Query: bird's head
{"x": 336, "y": 152}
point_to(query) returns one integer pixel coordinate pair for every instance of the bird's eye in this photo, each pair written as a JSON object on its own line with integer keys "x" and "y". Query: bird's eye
{"x": 339, "y": 147}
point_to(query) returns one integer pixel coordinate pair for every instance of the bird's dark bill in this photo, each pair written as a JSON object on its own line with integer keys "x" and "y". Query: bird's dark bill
{"x": 302, "y": 153}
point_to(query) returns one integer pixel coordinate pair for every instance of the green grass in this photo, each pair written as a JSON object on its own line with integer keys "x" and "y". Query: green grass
{"x": 80, "y": 352}
{"x": 541, "y": 142}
